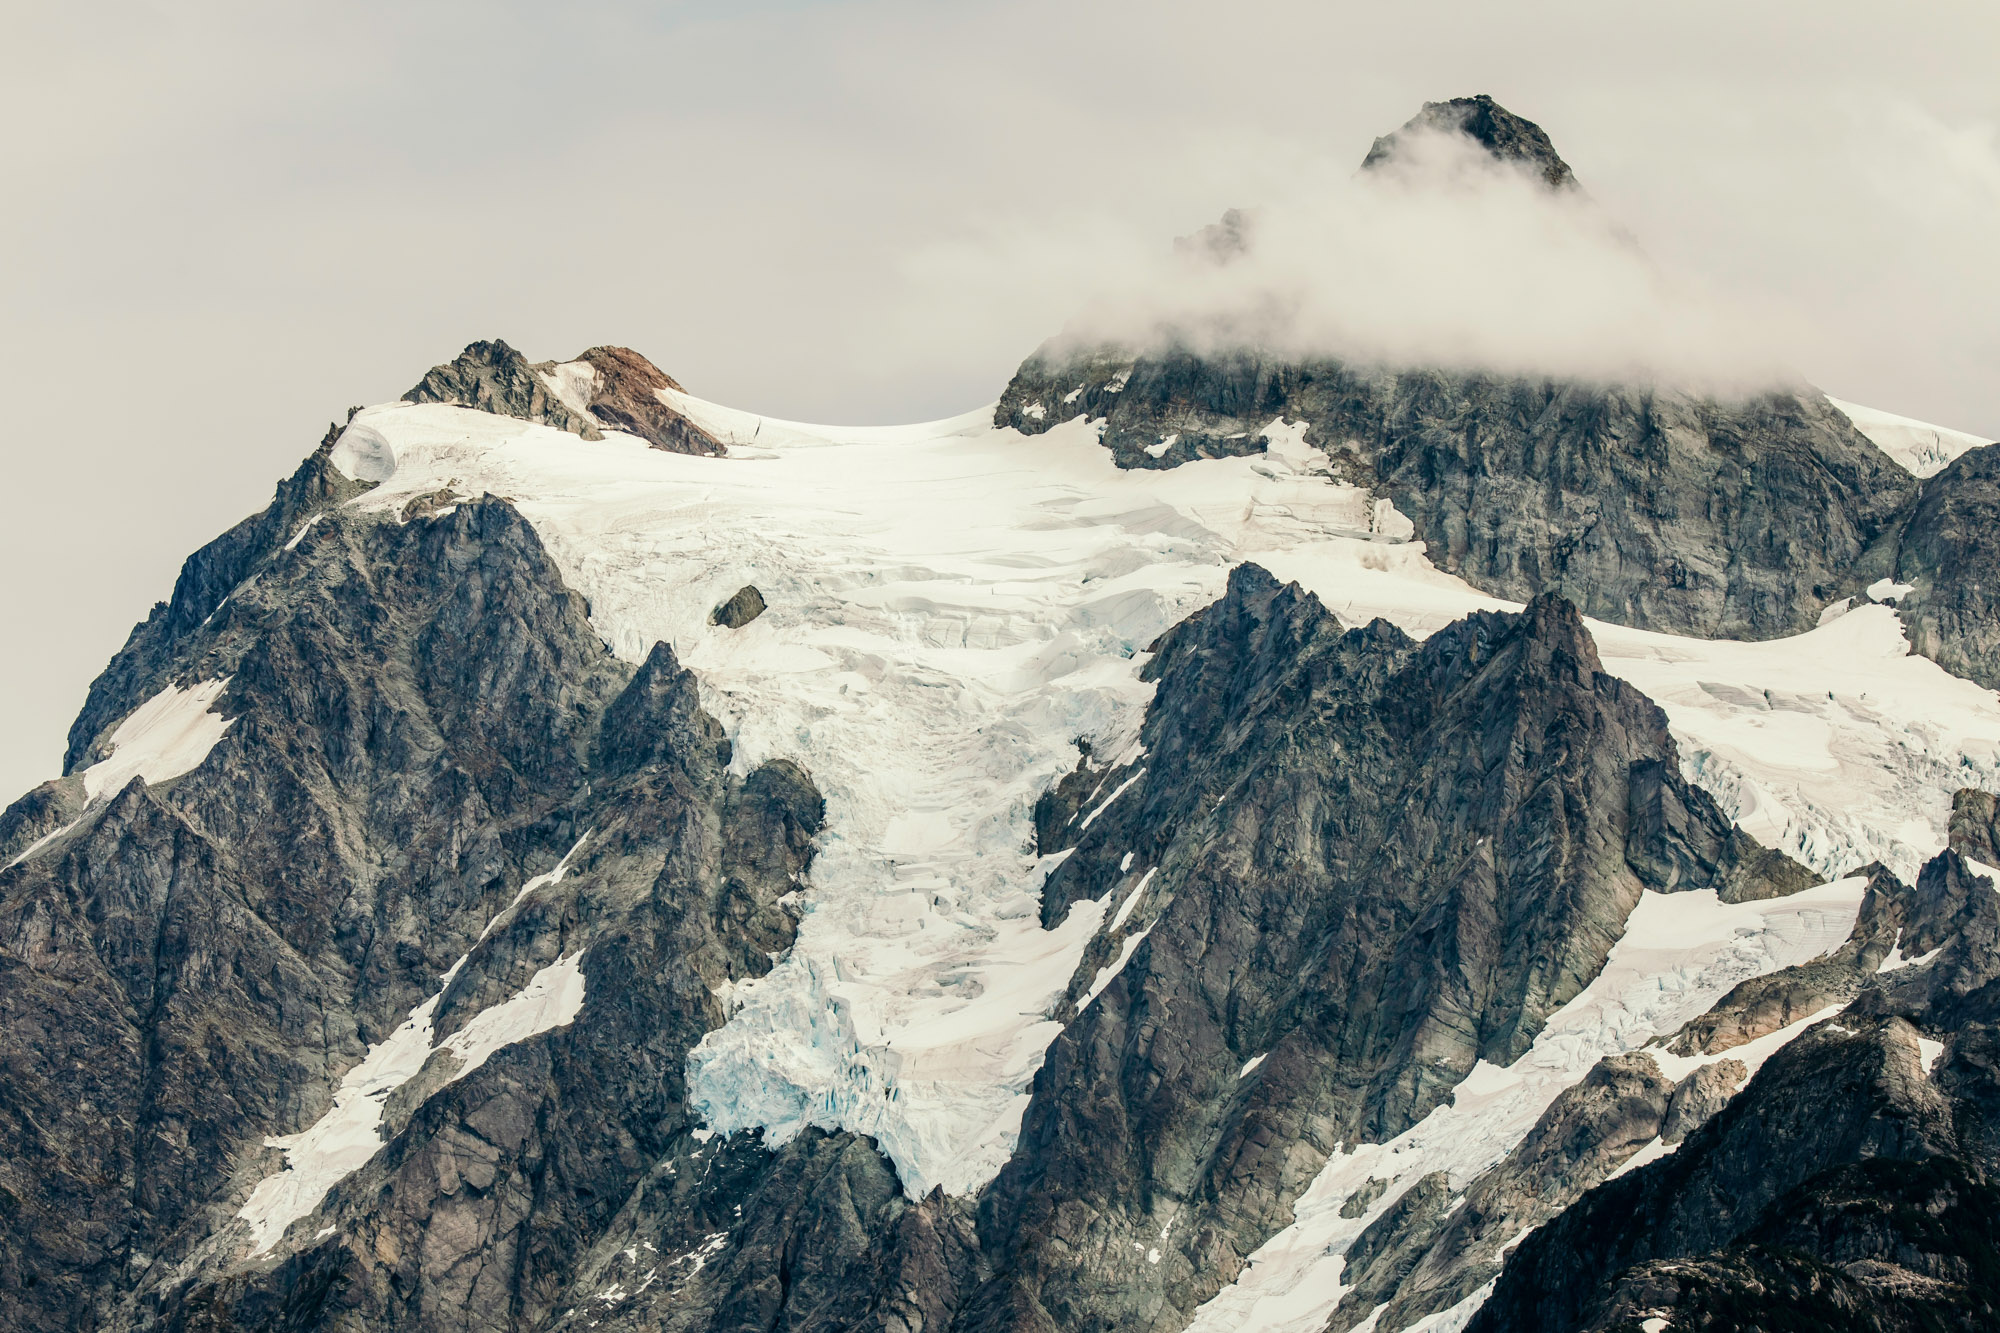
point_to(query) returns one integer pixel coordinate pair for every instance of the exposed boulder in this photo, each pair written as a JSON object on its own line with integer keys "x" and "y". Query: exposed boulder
{"x": 744, "y": 605}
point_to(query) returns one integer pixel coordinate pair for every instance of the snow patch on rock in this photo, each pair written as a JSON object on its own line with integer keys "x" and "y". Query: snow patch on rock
{"x": 1681, "y": 952}
{"x": 168, "y": 735}
{"x": 341, "y": 1141}
{"x": 1918, "y": 446}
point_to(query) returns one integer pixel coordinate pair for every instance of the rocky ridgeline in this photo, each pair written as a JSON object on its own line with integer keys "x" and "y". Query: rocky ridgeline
{"x": 1851, "y": 1185}
{"x": 1643, "y": 504}
{"x": 604, "y": 388}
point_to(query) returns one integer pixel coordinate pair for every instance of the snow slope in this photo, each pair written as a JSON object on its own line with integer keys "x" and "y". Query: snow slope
{"x": 1681, "y": 953}
{"x": 1919, "y": 446}
{"x": 950, "y": 605}
{"x": 166, "y": 736}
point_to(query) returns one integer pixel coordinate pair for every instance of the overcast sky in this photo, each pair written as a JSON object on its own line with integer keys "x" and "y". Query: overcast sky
{"x": 227, "y": 222}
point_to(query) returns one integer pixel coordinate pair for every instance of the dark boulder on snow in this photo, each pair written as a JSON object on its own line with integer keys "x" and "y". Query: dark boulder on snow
{"x": 744, "y": 605}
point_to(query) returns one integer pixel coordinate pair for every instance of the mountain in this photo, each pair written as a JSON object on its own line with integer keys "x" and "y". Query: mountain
{"x": 1210, "y": 842}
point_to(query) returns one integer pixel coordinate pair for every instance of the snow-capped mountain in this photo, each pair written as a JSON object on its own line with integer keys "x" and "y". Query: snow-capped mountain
{"x": 1216, "y": 839}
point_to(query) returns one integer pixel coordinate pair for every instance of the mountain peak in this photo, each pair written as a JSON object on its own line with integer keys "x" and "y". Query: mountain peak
{"x": 1506, "y": 136}
{"x": 605, "y": 387}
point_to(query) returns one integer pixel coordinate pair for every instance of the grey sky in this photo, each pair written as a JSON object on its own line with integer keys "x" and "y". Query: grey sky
{"x": 226, "y": 222}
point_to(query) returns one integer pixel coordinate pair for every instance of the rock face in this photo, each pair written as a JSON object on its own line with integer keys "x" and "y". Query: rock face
{"x": 1644, "y": 506}
{"x": 1950, "y": 552}
{"x": 605, "y": 388}
{"x": 141, "y": 667}
{"x": 430, "y": 757}
{"x": 1364, "y": 864}
{"x": 493, "y": 377}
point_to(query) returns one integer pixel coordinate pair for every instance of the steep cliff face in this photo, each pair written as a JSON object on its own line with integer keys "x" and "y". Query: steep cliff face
{"x": 1950, "y": 555}
{"x": 423, "y": 764}
{"x": 1349, "y": 867}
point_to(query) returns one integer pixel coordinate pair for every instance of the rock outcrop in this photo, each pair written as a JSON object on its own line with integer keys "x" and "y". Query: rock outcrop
{"x": 605, "y": 388}
{"x": 430, "y": 757}
{"x": 1950, "y": 554}
{"x": 1505, "y": 136}
{"x": 1361, "y": 864}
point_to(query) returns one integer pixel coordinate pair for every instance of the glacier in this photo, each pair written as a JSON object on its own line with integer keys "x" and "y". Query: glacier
{"x": 953, "y": 606}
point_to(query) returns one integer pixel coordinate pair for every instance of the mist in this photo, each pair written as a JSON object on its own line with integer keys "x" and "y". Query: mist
{"x": 1444, "y": 257}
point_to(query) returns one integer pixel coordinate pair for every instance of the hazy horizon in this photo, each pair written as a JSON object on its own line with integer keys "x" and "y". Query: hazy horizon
{"x": 233, "y": 223}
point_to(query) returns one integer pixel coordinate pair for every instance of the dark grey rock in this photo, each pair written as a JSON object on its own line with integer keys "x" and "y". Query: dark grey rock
{"x": 1382, "y": 1257}
{"x": 1699, "y": 1096}
{"x": 1506, "y": 136}
{"x": 1843, "y": 1187}
{"x": 744, "y": 605}
{"x": 1644, "y": 505}
{"x": 423, "y": 721}
{"x": 1374, "y": 862}
{"x": 1762, "y": 1201}
{"x": 143, "y": 666}
{"x": 1974, "y": 827}
{"x": 493, "y": 377}
{"x": 1950, "y": 553}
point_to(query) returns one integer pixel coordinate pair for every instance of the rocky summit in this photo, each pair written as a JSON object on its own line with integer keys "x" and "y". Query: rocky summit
{"x": 1220, "y": 839}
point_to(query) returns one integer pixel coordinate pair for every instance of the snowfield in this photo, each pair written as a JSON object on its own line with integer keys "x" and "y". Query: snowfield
{"x": 1919, "y": 446}
{"x": 951, "y": 605}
